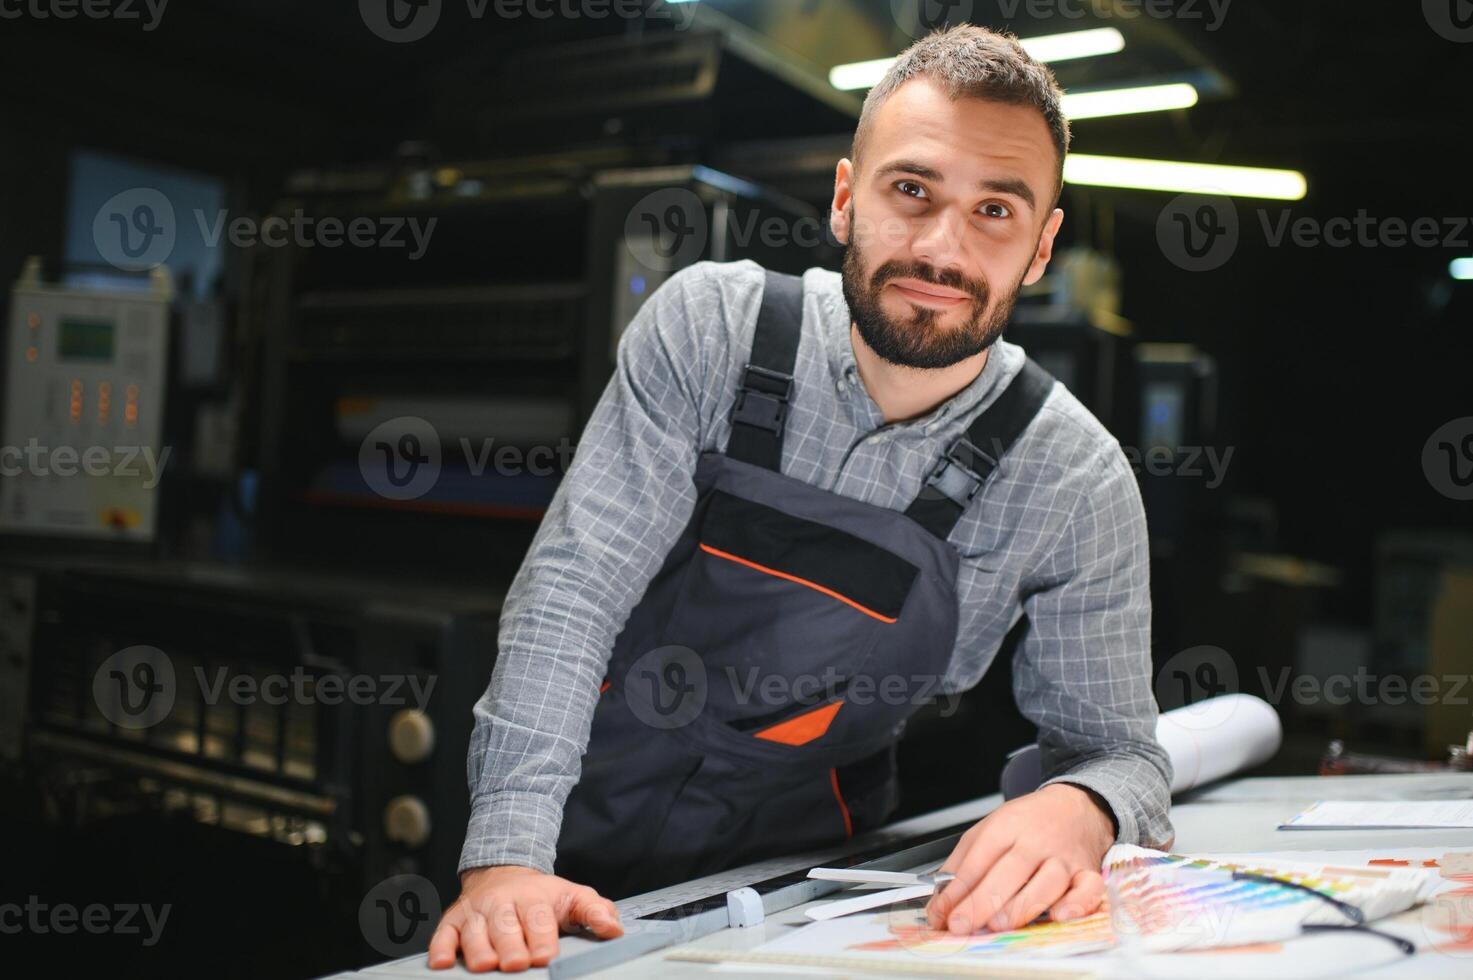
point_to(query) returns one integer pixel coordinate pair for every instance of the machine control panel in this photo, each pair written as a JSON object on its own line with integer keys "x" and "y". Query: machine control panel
{"x": 80, "y": 454}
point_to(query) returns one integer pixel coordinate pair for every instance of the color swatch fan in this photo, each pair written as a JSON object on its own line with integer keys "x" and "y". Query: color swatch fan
{"x": 1166, "y": 902}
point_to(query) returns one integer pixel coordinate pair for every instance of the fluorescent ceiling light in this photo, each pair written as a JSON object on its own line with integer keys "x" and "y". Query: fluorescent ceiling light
{"x": 1075, "y": 44}
{"x": 859, "y": 74}
{"x": 1124, "y": 101}
{"x": 1049, "y": 47}
{"x": 1461, "y": 268}
{"x": 1171, "y": 175}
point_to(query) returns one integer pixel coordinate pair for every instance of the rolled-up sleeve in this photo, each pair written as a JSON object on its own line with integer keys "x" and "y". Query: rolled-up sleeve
{"x": 1082, "y": 673}
{"x": 619, "y": 509}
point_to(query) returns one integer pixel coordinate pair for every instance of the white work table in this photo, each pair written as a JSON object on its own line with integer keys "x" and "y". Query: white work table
{"x": 1229, "y": 817}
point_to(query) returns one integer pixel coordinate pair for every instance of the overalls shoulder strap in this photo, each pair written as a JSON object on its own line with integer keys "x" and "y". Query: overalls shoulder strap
{"x": 970, "y": 460}
{"x": 767, "y": 381}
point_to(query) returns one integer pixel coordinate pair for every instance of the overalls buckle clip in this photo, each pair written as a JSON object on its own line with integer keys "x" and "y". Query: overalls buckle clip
{"x": 762, "y": 398}
{"x": 954, "y": 476}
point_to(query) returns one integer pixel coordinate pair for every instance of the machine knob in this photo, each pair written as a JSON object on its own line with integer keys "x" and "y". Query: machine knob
{"x": 411, "y": 735}
{"x": 407, "y": 821}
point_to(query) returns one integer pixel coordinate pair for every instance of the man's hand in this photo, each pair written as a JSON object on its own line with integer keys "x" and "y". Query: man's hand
{"x": 1037, "y": 852}
{"x": 508, "y": 917}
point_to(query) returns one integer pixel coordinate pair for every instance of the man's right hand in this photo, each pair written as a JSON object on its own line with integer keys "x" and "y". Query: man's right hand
{"x": 508, "y": 918}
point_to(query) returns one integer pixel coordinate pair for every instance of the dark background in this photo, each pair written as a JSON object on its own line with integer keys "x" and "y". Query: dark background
{"x": 1333, "y": 365}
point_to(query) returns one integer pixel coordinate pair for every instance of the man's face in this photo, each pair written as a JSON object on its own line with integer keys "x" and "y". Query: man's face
{"x": 949, "y": 217}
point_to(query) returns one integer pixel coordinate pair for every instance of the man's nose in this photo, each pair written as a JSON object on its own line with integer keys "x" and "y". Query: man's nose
{"x": 938, "y": 240}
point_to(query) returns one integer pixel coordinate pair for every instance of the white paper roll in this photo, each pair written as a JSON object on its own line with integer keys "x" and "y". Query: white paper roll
{"x": 1206, "y": 741}
{"x": 1217, "y": 737}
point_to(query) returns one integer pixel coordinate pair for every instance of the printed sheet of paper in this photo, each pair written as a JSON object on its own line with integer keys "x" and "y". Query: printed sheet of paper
{"x": 1383, "y": 815}
{"x": 865, "y": 943}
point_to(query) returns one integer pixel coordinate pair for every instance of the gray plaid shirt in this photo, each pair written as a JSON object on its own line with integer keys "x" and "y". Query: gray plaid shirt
{"x": 1057, "y": 534}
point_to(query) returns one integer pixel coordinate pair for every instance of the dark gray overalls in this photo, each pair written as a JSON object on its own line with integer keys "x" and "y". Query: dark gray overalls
{"x": 756, "y": 693}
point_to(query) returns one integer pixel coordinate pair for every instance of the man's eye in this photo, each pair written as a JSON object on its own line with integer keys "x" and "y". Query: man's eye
{"x": 910, "y": 189}
{"x": 997, "y": 210}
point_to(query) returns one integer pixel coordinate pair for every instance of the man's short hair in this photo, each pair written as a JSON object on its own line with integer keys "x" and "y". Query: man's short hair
{"x": 972, "y": 61}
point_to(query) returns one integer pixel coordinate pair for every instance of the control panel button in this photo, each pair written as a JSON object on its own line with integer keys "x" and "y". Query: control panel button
{"x": 407, "y": 821}
{"x": 411, "y": 735}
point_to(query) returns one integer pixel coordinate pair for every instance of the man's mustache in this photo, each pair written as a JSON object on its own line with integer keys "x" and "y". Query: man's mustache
{"x": 950, "y": 278}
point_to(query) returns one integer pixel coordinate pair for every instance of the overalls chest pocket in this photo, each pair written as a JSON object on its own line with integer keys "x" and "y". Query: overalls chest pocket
{"x": 790, "y": 617}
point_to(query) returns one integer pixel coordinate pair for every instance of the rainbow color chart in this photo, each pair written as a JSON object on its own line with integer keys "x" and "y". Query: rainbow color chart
{"x": 1167, "y": 902}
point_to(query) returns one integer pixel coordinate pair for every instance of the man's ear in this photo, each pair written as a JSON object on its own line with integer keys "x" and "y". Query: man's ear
{"x": 843, "y": 195}
{"x": 1045, "y": 247}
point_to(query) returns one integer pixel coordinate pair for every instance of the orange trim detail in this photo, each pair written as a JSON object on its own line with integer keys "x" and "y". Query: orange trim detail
{"x": 802, "y": 729}
{"x": 793, "y": 578}
{"x": 843, "y": 807}
{"x": 605, "y": 686}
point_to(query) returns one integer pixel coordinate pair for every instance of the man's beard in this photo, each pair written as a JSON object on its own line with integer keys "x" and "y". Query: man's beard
{"x": 921, "y": 341}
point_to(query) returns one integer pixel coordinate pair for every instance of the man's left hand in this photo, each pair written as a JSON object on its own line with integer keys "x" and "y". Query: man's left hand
{"x": 1035, "y": 853}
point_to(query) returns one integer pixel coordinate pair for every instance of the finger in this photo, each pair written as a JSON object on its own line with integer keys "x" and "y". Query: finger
{"x": 507, "y": 937}
{"x": 982, "y": 852}
{"x": 998, "y": 887}
{"x": 593, "y": 910}
{"x": 539, "y": 923}
{"x": 1047, "y": 886}
{"x": 963, "y": 846}
{"x": 444, "y": 943}
{"x": 942, "y": 901}
{"x": 1084, "y": 896}
{"x": 475, "y": 944}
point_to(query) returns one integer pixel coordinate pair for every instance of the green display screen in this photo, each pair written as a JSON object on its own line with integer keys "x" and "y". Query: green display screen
{"x": 85, "y": 340}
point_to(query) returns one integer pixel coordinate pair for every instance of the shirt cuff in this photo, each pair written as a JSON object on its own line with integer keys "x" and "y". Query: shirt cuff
{"x": 512, "y": 828}
{"x": 1144, "y": 822}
